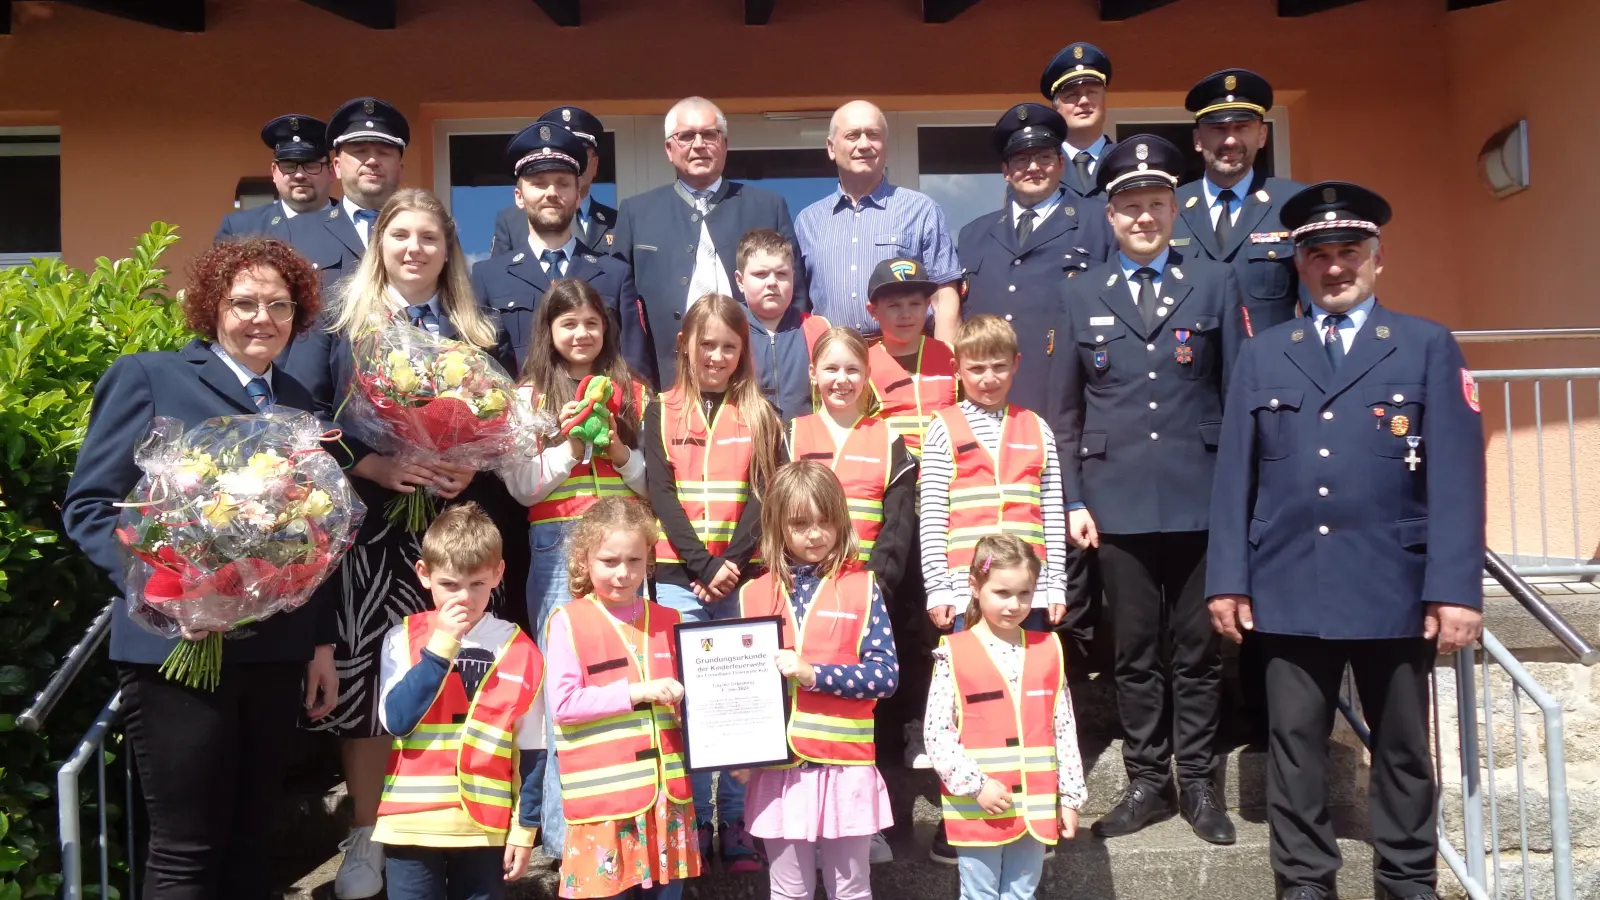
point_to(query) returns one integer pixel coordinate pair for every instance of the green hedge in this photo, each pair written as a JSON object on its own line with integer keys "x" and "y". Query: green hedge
{"x": 62, "y": 329}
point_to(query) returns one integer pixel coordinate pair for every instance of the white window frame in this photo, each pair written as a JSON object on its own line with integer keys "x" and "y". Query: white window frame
{"x": 42, "y": 148}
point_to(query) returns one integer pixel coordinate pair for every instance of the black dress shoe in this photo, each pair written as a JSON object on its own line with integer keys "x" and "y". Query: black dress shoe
{"x": 1205, "y": 814}
{"x": 1139, "y": 806}
{"x": 1303, "y": 892}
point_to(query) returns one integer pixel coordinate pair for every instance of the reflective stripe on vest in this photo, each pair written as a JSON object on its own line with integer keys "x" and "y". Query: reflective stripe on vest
{"x": 823, "y": 728}
{"x": 711, "y": 463}
{"x": 612, "y": 768}
{"x": 1011, "y": 738}
{"x": 910, "y": 399}
{"x": 463, "y": 752}
{"x": 862, "y": 466}
{"x": 587, "y": 483}
{"x": 987, "y": 496}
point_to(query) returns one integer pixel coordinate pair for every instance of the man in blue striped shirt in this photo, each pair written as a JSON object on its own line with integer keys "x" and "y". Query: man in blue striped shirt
{"x": 867, "y": 220}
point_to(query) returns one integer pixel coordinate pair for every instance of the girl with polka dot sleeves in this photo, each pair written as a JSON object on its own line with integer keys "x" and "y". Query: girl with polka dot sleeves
{"x": 821, "y": 811}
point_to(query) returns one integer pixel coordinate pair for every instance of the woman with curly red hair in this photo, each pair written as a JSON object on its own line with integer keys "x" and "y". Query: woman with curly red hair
{"x": 211, "y": 762}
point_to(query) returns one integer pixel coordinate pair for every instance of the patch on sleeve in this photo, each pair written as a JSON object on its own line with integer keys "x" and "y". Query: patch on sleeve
{"x": 1469, "y": 390}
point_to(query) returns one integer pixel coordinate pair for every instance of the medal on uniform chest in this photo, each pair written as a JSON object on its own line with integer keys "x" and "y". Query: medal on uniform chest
{"x": 1399, "y": 426}
{"x": 1100, "y": 361}
{"x": 1413, "y": 441}
{"x": 1184, "y": 354}
{"x": 1378, "y": 413}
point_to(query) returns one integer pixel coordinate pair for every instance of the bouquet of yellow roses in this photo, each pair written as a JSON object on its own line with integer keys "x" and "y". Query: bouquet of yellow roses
{"x": 425, "y": 399}
{"x": 233, "y": 521}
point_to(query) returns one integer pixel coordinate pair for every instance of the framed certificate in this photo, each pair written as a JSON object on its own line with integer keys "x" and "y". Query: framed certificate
{"x": 735, "y": 714}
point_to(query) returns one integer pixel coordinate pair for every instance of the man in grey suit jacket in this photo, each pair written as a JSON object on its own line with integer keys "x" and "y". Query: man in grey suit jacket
{"x": 680, "y": 239}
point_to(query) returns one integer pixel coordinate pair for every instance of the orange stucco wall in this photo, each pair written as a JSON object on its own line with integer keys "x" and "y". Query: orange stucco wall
{"x": 159, "y": 125}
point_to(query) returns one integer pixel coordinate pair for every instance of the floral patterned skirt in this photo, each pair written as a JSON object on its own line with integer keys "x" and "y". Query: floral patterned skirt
{"x": 603, "y": 859}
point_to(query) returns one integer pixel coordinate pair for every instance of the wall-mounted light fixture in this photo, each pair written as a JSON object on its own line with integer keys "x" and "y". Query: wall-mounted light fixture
{"x": 1503, "y": 161}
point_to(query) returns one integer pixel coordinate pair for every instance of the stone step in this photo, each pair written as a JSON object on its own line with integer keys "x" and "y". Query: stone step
{"x": 1243, "y": 780}
{"x": 1163, "y": 861}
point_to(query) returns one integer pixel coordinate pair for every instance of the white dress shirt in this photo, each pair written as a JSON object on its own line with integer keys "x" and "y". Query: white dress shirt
{"x": 569, "y": 248}
{"x": 1129, "y": 267}
{"x": 1211, "y": 191}
{"x": 362, "y": 228}
{"x": 1096, "y": 150}
{"x": 1042, "y": 209}
{"x": 1357, "y": 316}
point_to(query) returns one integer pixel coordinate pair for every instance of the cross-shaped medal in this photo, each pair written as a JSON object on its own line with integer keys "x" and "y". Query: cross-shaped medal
{"x": 1412, "y": 459}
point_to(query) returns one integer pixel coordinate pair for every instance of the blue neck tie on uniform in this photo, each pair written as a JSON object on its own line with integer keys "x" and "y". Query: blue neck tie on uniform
{"x": 552, "y": 260}
{"x": 260, "y": 392}
{"x": 369, "y": 216}
{"x": 423, "y": 317}
{"x": 1331, "y": 340}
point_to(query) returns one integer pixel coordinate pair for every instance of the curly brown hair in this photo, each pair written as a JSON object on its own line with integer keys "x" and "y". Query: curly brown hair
{"x": 212, "y": 274}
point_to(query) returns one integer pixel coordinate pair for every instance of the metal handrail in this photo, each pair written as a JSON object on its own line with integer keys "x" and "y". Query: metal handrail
{"x": 1511, "y": 335}
{"x": 45, "y": 701}
{"x": 1574, "y": 642}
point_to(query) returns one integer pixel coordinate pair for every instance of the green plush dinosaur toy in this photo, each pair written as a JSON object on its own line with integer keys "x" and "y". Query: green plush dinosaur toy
{"x": 591, "y": 424}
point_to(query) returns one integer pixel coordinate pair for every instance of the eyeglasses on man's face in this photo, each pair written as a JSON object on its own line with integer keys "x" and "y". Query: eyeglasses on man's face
{"x": 246, "y": 309}
{"x": 689, "y": 137}
{"x": 313, "y": 167}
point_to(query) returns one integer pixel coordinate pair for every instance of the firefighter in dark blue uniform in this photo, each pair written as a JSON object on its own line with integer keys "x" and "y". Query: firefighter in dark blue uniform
{"x": 1017, "y": 258}
{"x": 368, "y": 138}
{"x": 547, "y": 161}
{"x": 595, "y": 222}
{"x": 300, "y": 172}
{"x": 1075, "y": 83}
{"x": 1347, "y": 528}
{"x": 1230, "y": 108}
{"x": 1145, "y": 346}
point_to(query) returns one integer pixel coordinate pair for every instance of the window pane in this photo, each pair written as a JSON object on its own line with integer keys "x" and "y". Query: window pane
{"x": 802, "y": 176}
{"x": 480, "y": 186}
{"x": 31, "y": 222}
{"x": 959, "y": 171}
{"x": 1182, "y": 134}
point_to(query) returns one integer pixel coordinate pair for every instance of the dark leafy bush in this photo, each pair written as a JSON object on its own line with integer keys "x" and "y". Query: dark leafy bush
{"x": 60, "y": 329}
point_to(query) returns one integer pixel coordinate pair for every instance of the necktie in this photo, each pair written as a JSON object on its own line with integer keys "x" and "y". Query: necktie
{"x": 1025, "y": 226}
{"x": 423, "y": 317}
{"x": 260, "y": 392}
{"x": 552, "y": 260}
{"x": 1081, "y": 163}
{"x": 1330, "y": 338}
{"x": 370, "y": 218}
{"x": 1148, "y": 304}
{"x": 1225, "y": 219}
{"x": 708, "y": 276}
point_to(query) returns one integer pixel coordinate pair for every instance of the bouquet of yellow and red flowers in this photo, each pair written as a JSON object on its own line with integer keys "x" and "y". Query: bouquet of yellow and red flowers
{"x": 426, "y": 399}
{"x": 233, "y": 521}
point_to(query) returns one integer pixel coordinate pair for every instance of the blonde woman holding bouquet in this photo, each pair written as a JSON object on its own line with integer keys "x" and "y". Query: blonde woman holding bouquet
{"x": 211, "y": 762}
{"x": 414, "y": 268}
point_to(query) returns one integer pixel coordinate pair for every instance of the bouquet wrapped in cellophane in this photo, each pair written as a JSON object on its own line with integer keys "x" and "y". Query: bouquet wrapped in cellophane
{"x": 426, "y": 399}
{"x": 235, "y": 520}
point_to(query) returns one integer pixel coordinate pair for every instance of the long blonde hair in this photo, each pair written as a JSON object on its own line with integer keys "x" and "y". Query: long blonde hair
{"x": 802, "y": 487}
{"x": 363, "y": 297}
{"x": 743, "y": 391}
{"x": 849, "y": 338}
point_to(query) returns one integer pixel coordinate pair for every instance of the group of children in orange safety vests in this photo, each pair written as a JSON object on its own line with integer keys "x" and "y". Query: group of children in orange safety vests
{"x": 818, "y": 513}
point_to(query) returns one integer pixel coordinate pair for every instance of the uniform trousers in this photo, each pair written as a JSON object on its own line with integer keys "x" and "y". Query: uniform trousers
{"x": 1168, "y": 667}
{"x": 1391, "y": 677}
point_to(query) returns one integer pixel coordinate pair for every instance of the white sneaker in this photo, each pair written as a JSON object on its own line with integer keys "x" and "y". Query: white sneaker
{"x": 880, "y": 852}
{"x": 361, "y": 873}
{"x": 916, "y": 752}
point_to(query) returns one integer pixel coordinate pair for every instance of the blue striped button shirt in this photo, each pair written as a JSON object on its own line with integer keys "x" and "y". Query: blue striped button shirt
{"x": 841, "y": 242}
